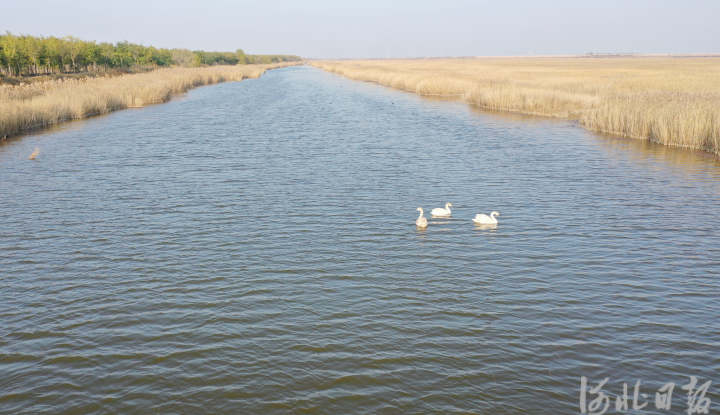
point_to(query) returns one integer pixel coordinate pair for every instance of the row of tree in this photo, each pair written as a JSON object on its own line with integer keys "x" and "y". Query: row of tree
{"x": 30, "y": 55}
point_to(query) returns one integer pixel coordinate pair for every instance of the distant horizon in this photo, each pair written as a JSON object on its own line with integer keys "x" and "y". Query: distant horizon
{"x": 585, "y": 55}
{"x": 595, "y": 54}
{"x": 374, "y": 29}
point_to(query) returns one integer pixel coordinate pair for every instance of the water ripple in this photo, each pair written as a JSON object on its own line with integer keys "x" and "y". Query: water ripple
{"x": 251, "y": 248}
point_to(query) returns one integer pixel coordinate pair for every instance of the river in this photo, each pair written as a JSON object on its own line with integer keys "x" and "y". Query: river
{"x": 250, "y": 248}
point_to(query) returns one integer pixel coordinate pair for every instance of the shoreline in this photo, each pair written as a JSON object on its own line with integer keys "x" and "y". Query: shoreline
{"x": 6, "y": 81}
{"x": 37, "y": 106}
{"x": 548, "y": 87}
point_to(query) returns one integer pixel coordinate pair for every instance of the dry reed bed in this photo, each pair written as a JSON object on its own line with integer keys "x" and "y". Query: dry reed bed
{"x": 673, "y": 101}
{"x": 39, "y": 105}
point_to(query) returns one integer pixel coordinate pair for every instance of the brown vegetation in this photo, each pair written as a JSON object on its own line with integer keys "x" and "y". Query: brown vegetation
{"x": 673, "y": 101}
{"x": 37, "y": 105}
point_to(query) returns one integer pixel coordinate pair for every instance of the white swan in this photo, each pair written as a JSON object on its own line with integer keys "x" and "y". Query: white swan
{"x": 421, "y": 221}
{"x": 483, "y": 219}
{"x": 442, "y": 211}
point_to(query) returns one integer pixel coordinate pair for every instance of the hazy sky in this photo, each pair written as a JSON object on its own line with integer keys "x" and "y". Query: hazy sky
{"x": 374, "y": 28}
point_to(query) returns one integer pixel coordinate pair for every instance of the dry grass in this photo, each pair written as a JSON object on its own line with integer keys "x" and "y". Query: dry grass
{"x": 38, "y": 105}
{"x": 673, "y": 101}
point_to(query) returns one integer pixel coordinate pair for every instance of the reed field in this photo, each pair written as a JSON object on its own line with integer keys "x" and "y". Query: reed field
{"x": 37, "y": 105}
{"x": 670, "y": 100}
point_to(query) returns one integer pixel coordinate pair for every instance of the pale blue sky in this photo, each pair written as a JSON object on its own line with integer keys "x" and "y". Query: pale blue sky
{"x": 374, "y": 28}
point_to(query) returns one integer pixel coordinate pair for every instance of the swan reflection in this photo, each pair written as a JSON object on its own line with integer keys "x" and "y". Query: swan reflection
{"x": 486, "y": 227}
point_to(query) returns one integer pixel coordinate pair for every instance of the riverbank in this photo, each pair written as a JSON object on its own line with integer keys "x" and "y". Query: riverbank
{"x": 668, "y": 100}
{"x": 109, "y": 73}
{"x": 29, "y": 107}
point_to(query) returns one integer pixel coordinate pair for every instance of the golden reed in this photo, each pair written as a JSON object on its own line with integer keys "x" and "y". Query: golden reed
{"x": 670, "y": 100}
{"x": 33, "y": 106}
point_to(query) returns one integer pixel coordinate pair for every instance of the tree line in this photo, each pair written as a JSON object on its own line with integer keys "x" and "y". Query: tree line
{"x": 22, "y": 55}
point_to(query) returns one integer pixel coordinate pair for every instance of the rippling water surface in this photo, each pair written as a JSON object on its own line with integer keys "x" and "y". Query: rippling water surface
{"x": 250, "y": 248}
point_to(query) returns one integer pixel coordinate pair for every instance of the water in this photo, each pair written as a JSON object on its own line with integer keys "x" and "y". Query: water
{"x": 250, "y": 248}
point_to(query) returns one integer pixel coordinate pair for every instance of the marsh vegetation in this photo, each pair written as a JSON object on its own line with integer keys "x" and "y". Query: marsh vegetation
{"x": 673, "y": 101}
{"x": 37, "y": 105}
